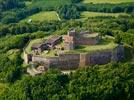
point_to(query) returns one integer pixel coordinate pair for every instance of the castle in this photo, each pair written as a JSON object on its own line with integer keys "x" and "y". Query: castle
{"x": 68, "y": 60}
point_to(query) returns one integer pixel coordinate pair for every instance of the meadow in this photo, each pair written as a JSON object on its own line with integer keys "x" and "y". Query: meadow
{"x": 87, "y": 14}
{"x": 42, "y": 16}
{"x": 107, "y": 1}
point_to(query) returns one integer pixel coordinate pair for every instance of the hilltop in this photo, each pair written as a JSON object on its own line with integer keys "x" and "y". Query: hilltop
{"x": 66, "y": 49}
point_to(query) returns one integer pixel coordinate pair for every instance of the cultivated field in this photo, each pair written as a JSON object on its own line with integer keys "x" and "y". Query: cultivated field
{"x": 107, "y": 1}
{"x": 42, "y": 16}
{"x": 87, "y": 14}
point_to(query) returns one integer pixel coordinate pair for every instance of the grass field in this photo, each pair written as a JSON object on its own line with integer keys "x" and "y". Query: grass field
{"x": 42, "y": 16}
{"x": 44, "y": 4}
{"x": 107, "y": 1}
{"x": 87, "y": 14}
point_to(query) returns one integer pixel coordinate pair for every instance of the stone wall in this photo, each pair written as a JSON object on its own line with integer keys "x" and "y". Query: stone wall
{"x": 73, "y": 61}
{"x": 39, "y": 59}
{"x": 83, "y": 58}
{"x": 100, "y": 57}
{"x": 86, "y": 41}
{"x": 65, "y": 61}
{"x": 69, "y": 61}
{"x": 118, "y": 53}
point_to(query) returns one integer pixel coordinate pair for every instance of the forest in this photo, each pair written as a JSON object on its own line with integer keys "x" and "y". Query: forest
{"x": 98, "y": 82}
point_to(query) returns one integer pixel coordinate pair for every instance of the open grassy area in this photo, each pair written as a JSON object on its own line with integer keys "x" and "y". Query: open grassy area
{"x": 106, "y": 43}
{"x": 45, "y": 4}
{"x": 91, "y": 35}
{"x": 42, "y": 16}
{"x": 87, "y": 14}
{"x": 107, "y": 1}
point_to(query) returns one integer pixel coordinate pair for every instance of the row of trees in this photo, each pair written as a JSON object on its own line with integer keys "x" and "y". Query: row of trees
{"x": 107, "y": 8}
{"x": 76, "y": 1}
{"x": 68, "y": 12}
{"x": 10, "y": 4}
{"x": 16, "y": 15}
{"x": 109, "y": 27}
{"x": 22, "y": 28}
{"x": 112, "y": 81}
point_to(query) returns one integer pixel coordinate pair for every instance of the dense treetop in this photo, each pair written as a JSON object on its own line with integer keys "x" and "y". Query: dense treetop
{"x": 112, "y": 81}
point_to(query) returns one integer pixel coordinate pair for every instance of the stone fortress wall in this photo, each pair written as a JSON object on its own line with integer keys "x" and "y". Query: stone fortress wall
{"x": 73, "y": 61}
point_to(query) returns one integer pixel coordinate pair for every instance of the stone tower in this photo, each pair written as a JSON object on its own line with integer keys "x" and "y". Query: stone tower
{"x": 69, "y": 40}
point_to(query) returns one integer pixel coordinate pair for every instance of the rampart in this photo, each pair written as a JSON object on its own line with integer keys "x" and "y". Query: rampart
{"x": 73, "y": 61}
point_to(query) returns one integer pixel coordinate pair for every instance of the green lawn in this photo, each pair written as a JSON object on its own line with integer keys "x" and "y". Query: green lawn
{"x": 87, "y": 14}
{"x": 42, "y": 16}
{"x": 45, "y": 4}
{"x": 107, "y": 1}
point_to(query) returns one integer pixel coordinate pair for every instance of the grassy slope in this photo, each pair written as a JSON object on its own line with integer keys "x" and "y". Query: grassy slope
{"x": 42, "y": 16}
{"x": 107, "y": 1}
{"x": 87, "y": 14}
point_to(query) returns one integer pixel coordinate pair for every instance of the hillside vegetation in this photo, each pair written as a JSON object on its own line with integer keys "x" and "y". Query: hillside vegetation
{"x": 107, "y": 1}
{"x": 49, "y": 4}
{"x": 114, "y": 81}
{"x": 87, "y": 14}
